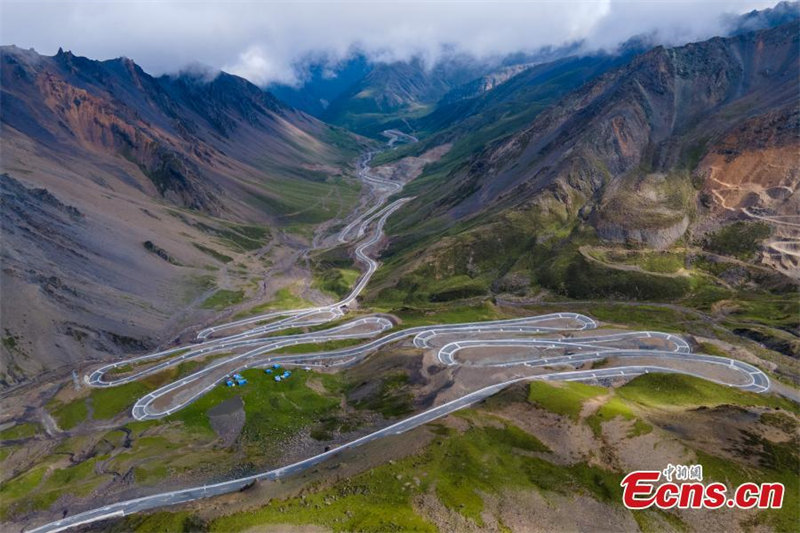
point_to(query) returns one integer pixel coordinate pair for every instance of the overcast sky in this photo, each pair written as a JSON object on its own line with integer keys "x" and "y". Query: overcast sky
{"x": 261, "y": 40}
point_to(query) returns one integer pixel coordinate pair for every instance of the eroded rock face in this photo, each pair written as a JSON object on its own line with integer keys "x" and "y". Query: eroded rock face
{"x": 657, "y": 238}
{"x": 755, "y": 165}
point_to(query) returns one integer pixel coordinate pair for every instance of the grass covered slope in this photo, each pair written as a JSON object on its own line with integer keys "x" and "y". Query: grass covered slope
{"x": 601, "y": 197}
{"x": 549, "y": 452}
{"x": 97, "y": 453}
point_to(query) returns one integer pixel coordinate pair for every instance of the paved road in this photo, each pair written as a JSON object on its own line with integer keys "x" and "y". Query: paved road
{"x": 489, "y": 338}
{"x": 757, "y": 381}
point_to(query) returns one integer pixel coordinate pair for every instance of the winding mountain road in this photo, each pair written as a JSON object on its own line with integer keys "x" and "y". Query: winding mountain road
{"x": 452, "y": 344}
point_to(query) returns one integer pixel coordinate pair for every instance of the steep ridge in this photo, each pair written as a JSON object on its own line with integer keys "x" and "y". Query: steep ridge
{"x": 506, "y": 100}
{"x": 645, "y": 113}
{"x": 481, "y": 112}
{"x": 619, "y": 156}
{"x": 187, "y": 134}
{"x": 125, "y": 195}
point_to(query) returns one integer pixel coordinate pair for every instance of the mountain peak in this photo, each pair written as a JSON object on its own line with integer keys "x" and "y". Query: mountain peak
{"x": 63, "y": 55}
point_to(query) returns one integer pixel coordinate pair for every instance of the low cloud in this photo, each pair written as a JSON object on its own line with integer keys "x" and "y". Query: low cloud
{"x": 265, "y": 41}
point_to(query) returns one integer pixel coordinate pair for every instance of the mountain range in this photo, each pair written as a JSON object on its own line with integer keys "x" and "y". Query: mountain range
{"x": 535, "y": 158}
{"x": 498, "y": 286}
{"x": 112, "y": 175}
{"x": 636, "y": 155}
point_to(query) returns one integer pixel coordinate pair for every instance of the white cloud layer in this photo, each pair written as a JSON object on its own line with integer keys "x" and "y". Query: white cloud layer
{"x": 263, "y": 40}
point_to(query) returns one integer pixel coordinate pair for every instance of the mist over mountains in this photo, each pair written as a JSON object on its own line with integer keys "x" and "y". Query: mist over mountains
{"x": 267, "y": 42}
{"x": 342, "y": 91}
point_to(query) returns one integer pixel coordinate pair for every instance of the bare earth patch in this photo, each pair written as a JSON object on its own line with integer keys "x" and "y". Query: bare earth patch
{"x": 227, "y": 419}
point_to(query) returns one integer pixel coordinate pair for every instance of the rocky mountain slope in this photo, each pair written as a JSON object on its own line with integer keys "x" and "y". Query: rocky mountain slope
{"x": 628, "y": 158}
{"x": 124, "y": 197}
{"x": 494, "y": 106}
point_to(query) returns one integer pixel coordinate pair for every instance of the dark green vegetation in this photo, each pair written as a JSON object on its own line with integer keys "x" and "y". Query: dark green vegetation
{"x": 337, "y": 281}
{"x": 545, "y": 195}
{"x": 544, "y": 209}
{"x": 663, "y": 262}
{"x": 584, "y": 279}
{"x": 392, "y": 399}
{"x": 333, "y": 271}
{"x": 740, "y": 239}
{"x": 505, "y": 263}
{"x": 160, "y": 252}
{"x": 505, "y": 257}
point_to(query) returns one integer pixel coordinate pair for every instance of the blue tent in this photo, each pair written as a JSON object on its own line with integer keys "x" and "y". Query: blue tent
{"x": 241, "y": 381}
{"x": 276, "y": 365}
{"x": 268, "y": 370}
{"x": 229, "y": 383}
{"x": 277, "y": 378}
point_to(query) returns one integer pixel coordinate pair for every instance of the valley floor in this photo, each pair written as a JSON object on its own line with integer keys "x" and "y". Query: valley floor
{"x": 187, "y": 427}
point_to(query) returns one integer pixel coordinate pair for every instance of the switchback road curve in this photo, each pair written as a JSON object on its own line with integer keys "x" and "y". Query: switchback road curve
{"x": 451, "y": 342}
